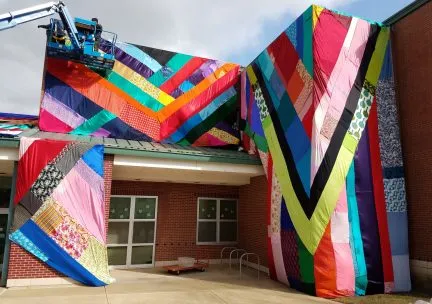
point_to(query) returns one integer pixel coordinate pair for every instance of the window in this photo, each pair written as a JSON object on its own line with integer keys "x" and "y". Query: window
{"x": 132, "y": 231}
{"x": 216, "y": 221}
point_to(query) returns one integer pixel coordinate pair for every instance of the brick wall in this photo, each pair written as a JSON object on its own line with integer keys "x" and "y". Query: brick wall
{"x": 253, "y": 220}
{"x": 412, "y": 52}
{"x": 23, "y": 265}
{"x": 177, "y": 215}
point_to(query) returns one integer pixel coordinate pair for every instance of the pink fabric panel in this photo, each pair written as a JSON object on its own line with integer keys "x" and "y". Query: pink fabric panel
{"x": 47, "y": 121}
{"x": 86, "y": 205}
{"x": 278, "y": 258}
{"x": 340, "y": 231}
{"x": 339, "y": 86}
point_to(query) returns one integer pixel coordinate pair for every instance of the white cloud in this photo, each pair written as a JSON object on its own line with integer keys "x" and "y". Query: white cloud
{"x": 199, "y": 27}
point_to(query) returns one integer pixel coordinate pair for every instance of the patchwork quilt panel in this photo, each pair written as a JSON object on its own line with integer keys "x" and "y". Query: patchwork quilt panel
{"x": 318, "y": 106}
{"x": 150, "y": 95}
{"x": 60, "y": 208}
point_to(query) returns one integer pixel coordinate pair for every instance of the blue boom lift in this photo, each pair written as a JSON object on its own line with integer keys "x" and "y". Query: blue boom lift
{"x": 69, "y": 38}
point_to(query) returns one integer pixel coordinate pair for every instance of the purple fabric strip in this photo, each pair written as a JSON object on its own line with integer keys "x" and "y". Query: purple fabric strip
{"x": 205, "y": 69}
{"x": 129, "y": 61}
{"x": 224, "y": 126}
{"x": 368, "y": 217}
{"x": 176, "y": 93}
{"x": 101, "y": 133}
{"x": 133, "y": 63}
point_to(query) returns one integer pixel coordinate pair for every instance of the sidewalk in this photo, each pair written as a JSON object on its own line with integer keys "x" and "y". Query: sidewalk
{"x": 216, "y": 285}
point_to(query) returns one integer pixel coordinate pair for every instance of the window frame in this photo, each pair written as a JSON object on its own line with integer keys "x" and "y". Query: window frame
{"x": 131, "y": 220}
{"x": 218, "y": 220}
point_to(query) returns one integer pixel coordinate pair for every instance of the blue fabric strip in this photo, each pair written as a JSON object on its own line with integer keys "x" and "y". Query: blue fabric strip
{"x": 19, "y": 238}
{"x": 94, "y": 159}
{"x": 119, "y": 129}
{"x": 356, "y": 241}
{"x": 393, "y": 172}
{"x": 58, "y": 258}
{"x": 139, "y": 55}
{"x": 398, "y": 223}
{"x": 71, "y": 98}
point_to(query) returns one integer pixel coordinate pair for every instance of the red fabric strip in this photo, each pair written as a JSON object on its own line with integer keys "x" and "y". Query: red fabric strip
{"x": 34, "y": 160}
{"x": 325, "y": 55}
{"x": 174, "y": 121}
{"x": 285, "y": 58}
{"x": 378, "y": 186}
{"x": 187, "y": 70}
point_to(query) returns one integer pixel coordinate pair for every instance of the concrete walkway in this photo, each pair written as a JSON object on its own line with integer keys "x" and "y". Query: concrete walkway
{"x": 216, "y": 285}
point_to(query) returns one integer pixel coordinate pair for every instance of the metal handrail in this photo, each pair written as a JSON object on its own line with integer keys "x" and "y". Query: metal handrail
{"x": 248, "y": 254}
{"x": 222, "y": 251}
{"x": 232, "y": 251}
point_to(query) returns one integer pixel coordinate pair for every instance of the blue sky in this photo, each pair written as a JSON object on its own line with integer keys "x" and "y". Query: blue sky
{"x": 229, "y": 30}
{"x": 376, "y": 10}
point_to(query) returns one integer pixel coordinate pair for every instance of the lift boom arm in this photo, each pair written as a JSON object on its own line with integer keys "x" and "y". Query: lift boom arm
{"x": 12, "y": 19}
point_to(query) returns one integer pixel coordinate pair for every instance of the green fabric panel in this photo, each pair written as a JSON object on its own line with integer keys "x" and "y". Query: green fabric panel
{"x": 178, "y": 61}
{"x": 217, "y": 116}
{"x": 94, "y": 123}
{"x": 134, "y": 91}
{"x": 175, "y": 64}
{"x": 356, "y": 241}
{"x": 307, "y": 39}
{"x": 259, "y": 140}
{"x": 306, "y": 262}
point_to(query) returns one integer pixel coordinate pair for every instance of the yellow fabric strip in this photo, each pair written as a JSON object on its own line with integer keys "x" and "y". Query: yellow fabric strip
{"x": 142, "y": 83}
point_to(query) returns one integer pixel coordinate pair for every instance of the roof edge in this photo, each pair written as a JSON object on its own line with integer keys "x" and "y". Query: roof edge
{"x": 406, "y": 11}
{"x": 207, "y": 157}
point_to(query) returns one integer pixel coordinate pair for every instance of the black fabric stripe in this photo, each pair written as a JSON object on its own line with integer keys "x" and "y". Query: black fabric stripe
{"x": 289, "y": 160}
{"x": 342, "y": 127}
{"x": 160, "y": 56}
{"x": 219, "y": 115}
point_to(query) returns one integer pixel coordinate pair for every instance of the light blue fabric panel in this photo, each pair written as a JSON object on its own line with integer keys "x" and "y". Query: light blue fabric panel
{"x": 398, "y": 230}
{"x": 139, "y": 55}
{"x": 356, "y": 241}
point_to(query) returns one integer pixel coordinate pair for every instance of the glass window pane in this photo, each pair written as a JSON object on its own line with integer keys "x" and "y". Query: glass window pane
{"x": 228, "y": 210}
{"x": 207, "y": 209}
{"x": 207, "y": 232}
{"x": 143, "y": 232}
{"x": 120, "y": 207}
{"x": 228, "y": 232}
{"x": 5, "y": 197}
{"x": 145, "y": 208}
{"x": 117, "y": 255}
{"x": 118, "y": 233}
{"x": 142, "y": 255}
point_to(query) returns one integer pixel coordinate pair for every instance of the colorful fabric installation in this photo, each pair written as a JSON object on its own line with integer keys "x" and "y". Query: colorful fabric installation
{"x": 311, "y": 107}
{"x": 60, "y": 208}
{"x": 150, "y": 95}
{"x": 12, "y": 125}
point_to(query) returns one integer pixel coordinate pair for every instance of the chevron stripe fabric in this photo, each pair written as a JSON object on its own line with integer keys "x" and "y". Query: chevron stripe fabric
{"x": 309, "y": 107}
{"x": 150, "y": 95}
